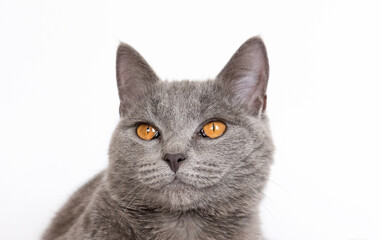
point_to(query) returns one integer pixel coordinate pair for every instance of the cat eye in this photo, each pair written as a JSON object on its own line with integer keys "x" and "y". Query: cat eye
{"x": 213, "y": 129}
{"x": 147, "y": 132}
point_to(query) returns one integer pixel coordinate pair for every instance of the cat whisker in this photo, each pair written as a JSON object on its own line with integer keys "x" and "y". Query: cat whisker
{"x": 151, "y": 178}
{"x": 268, "y": 211}
{"x": 147, "y": 164}
{"x": 134, "y": 198}
{"x": 144, "y": 195}
{"x": 211, "y": 165}
{"x": 278, "y": 185}
{"x": 125, "y": 209}
{"x": 117, "y": 204}
{"x": 149, "y": 170}
{"x": 206, "y": 170}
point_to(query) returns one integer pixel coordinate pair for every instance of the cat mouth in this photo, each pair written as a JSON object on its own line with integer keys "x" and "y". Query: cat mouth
{"x": 178, "y": 182}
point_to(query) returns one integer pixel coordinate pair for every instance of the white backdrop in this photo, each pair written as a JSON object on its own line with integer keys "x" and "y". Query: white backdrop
{"x": 59, "y": 103}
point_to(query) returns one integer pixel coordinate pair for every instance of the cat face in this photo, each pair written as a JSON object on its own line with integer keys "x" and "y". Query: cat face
{"x": 181, "y": 167}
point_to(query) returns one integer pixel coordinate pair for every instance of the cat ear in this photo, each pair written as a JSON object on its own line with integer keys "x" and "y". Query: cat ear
{"x": 134, "y": 75}
{"x": 246, "y": 75}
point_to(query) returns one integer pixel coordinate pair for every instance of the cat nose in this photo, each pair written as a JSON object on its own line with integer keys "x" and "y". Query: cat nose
{"x": 174, "y": 160}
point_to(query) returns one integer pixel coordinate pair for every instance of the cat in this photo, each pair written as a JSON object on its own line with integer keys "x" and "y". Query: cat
{"x": 188, "y": 159}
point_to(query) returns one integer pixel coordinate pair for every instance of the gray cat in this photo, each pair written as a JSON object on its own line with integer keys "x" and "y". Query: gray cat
{"x": 188, "y": 159}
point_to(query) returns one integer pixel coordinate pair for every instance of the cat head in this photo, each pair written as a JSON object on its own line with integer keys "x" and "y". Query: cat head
{"x": 190, "y": 144}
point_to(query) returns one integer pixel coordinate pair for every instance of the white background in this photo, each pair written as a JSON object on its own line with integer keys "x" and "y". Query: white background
{"x": 59, "y": 103}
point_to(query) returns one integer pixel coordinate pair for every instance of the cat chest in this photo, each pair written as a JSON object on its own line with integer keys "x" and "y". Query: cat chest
{"x": 178, "y": 228}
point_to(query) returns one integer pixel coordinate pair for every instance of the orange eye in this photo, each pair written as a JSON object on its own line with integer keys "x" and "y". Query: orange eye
{"x": 147, "y": 132}
{"x": 214, "y": 129}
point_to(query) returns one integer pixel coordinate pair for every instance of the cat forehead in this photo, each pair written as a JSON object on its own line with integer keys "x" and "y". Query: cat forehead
{"x": 177, "y": 102}
{"x": 184, "y": 93}
{"x": 183, "y": 99}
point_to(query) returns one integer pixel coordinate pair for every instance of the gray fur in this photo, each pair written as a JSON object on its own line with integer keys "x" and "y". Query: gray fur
{"x": 219, "y": 185}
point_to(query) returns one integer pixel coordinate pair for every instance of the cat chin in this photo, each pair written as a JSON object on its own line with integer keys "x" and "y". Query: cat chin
{"x": 178, "y": 196}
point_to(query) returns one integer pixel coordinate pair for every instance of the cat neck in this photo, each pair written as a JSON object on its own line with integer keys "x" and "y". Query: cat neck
{"x": 213, "y": 222}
